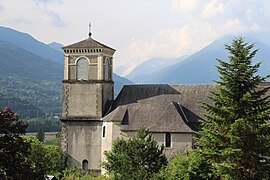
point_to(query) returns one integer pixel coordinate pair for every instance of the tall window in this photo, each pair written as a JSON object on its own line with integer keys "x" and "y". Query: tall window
{"x": 82, "y": 69}
{"x": 106, "y": 69}
{"x": 85, "y": 165}
{"x": 168, "y": 140}
{"x": 104, "y": 132}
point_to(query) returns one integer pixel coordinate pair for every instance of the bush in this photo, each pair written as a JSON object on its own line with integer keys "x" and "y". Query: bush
{"x": 139, "y": 157}
{"x": 190, "y": 166}
{"x": 44, "y": 158}
{"x": 78, "y": 174}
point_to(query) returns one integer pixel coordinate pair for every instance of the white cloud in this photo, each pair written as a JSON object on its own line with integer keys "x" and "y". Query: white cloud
{"x": 138, "y": 30}
{"x": 256, "y": 27}
{"x": 184, "y": 6}
{"x": 213, "y": 8}
{"x": 54, "y": 19}
{"x": 37, "y": 18}
{"x": 207, "y": 21}
{"x": 21, "y": 20}
{"x": 170, "y": 43}
{"x": 46, "y": 2}
{"x": 233, "y": 26}
{"x": 1, "y": 7}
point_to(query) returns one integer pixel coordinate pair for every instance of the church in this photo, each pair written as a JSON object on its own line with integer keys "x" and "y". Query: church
{"x": 92, "y": 119}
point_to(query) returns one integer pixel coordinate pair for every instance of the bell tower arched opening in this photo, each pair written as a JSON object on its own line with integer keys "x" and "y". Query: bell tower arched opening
{"x": 82, "y": 69}
{"x": 106, "y": 69}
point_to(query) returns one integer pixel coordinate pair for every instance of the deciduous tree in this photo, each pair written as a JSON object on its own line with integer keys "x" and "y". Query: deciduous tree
{"x": 139, "y": 157}
{"x": 44, "y": 158}
{"x": 13, "y": 149}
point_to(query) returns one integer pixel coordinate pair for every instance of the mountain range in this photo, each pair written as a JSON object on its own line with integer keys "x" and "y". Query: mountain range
{"x": 151, "y": 66}
{"x": 200, "y": 67}
{"x": 56, "y": 46}
{"x": 31, "y": 74}
{"x": 31, "y": 71}
{"x": 30, "y": 44}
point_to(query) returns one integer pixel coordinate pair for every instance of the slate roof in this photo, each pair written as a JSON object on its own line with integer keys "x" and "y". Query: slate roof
{"x": 88, "y": 43}
{"x": 160, "y": 108}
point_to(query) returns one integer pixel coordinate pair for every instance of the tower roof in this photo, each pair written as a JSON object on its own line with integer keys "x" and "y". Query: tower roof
{"x": 88, "y": 43}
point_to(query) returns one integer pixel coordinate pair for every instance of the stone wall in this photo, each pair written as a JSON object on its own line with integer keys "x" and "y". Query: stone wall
{"x": 181, "y": 143}
{"x": 86, "y": 99}
{"x": 82, "y": 141}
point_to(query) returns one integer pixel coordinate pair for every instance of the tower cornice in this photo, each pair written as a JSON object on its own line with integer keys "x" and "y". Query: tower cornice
{"x": 87, "y": 81}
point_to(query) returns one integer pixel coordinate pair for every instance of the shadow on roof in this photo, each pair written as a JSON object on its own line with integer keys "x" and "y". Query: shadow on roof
{"x": 190, "y": 118}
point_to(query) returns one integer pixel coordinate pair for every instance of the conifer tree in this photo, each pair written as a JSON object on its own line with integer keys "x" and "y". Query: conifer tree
{"x": 40, "y": 135}
{"x": 235, "y": 135}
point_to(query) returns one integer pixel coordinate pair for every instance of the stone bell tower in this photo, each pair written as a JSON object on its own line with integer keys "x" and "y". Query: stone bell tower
{"x": 87, "y": 91}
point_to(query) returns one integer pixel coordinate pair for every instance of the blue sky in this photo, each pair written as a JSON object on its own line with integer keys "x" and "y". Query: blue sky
{"x": 138, "y": 29}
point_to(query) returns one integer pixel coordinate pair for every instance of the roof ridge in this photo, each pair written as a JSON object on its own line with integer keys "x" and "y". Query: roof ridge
{"x": 88, "y": 43}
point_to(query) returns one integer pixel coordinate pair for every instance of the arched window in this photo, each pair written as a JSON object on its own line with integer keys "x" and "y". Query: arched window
{"x": 82, "y": 69}
{"x": 85, "y": 165}
{"x": 168, "y": 140}
{"x": 106, "y": 70}
{"x": 104, "y": 132}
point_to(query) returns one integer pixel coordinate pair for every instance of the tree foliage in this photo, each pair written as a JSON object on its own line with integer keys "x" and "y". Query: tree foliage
{"x": 186, "y": 166}
{"x": 40, "y": 135}
{"x": 136, "y": 158}
{"x": 79, "y": 174}
{"x": 44, "y": 158}
{"x": 235, "y": 135}
{"x": 13, "y": 149}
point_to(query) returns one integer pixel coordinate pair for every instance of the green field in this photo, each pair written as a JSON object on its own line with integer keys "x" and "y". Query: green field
{"x": 50, "y": 137}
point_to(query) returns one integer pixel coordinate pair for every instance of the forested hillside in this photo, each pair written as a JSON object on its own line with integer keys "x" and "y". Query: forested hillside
{"x": 30, "y": 85}
{"x": 23, "y": 107}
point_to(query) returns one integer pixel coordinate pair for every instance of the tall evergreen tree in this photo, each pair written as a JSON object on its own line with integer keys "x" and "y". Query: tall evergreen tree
{"x": 235, "y": 135}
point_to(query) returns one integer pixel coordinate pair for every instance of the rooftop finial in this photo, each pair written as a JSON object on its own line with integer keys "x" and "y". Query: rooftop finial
{"x": 89, "y": 30}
